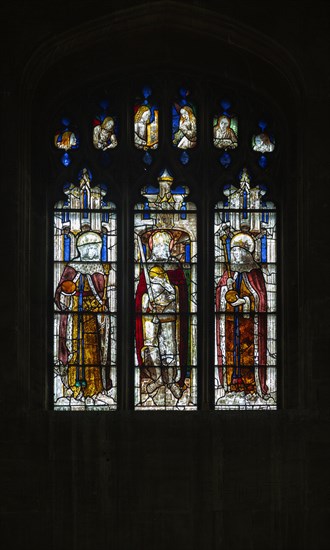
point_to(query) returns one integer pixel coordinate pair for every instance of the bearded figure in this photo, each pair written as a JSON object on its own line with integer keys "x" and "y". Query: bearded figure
{"x": 242, "y": 341}
{"x": 84, "y": 325}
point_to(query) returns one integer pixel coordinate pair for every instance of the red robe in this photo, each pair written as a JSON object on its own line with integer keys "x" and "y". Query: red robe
{"x": 69, "y": 274}
{"x": 257, "y": 282}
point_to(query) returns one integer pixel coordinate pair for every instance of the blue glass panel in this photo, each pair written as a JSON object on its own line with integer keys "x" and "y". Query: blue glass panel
{"x": 67, "y": 242}
{"x": 225, "y": 160}
{"x": 147, "y": 158}
{"x": 262, "y": 161}
{"x": 263, "y": 248}
{"x": 104, "y": 248}
{"x": 150, "y": 189}
{"x": 146, "y": 214}
{"x": 146, "y": 91}
{"x": 183, "y": 213}
{"x": 183, "y": 93}
{"x": 179, "y": 190}
{"x": 104, "y": 104}
{"x": 228, "y": 245}
{"x": 184, "y": 157}
{"x": 187, "y": 252}
{"x": 225, "y": 104}
{"x": 244, "y": 204}
{"x": 65, "y": 159}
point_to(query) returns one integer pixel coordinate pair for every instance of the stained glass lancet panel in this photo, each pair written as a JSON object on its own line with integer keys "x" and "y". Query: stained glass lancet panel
{"x": 85, "y": 299}
{"x": 245, "y": 298}
{"x": 165, "y": 298}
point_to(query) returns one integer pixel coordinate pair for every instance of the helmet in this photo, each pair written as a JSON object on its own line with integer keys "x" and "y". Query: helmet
{"x": 89, "y": 237}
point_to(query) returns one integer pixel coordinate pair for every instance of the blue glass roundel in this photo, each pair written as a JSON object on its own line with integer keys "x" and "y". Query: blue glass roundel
{"x": 65, "y": 159}
{"x": 146, "y": 90}
{"x": 225, "y": 104}
{"x": 262, "y": 161}
{"x": 147, "y": 158}
{"x": 262, "y": 125}
{"x": 184, "y": 158}
{"x": 104, "y": 104}
{"x": 225, "y": 160}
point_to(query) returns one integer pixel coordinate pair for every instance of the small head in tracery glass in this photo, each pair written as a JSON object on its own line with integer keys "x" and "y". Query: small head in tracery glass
{"x": 145, "y": 122}
{"x": 184, "y": 124}
{"x": 225, "y": 128}
{"x": 105, "y": 129}
{"x": 263, "y": 142}
{"x": 66, "y": 138}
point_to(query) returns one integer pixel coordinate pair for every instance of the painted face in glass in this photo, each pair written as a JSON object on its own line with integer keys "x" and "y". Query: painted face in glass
{"x": 224, "y": 122}
{"x": 145, "y": 116}
{"x": 258, "y": 141}
{"x": 90, "y": 252}
{"x": 184, "y": 114}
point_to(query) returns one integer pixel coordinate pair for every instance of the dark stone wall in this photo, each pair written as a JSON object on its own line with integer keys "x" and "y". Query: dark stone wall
{"x": 163, "y": 480}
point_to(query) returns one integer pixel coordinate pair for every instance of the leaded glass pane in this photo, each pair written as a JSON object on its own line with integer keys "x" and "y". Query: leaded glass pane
{"x": 225, "y": 132}
{"x": 165, "y": 298}
{"x": 184, "y": 123}
{"x": 225, "y": 128}
{"x": 146, "y": 122}
{"x": 105, "y": 132}
{"x": 85, "y": 299}
{"x": 263, "y": 143}
{"x": 245, "y": 299}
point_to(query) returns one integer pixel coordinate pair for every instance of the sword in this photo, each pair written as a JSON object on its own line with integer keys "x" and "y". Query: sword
{"x": 145, "y": 270}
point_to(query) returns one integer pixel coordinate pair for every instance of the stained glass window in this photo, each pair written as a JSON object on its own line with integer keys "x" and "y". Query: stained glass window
{"x": 105, "y": 132}
{"x": 66, "y": 138}
{"x": 263, "y": 142}
{"x": 85, "y": 298}
{"x": 245, "y": 298}
{"x": 165, "y": 298}
{"x": 184, "y": 124}
{"x": 225, "y": 128}
{"x": 145, "y": 122}
{"x": 222, "y": 356}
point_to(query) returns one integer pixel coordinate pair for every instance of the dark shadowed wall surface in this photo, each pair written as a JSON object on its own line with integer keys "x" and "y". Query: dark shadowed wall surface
{"x": 154, "y": 481}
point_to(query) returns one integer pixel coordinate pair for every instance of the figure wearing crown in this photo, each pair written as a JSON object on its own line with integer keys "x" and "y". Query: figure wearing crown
{"x": 84, "y": 332}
